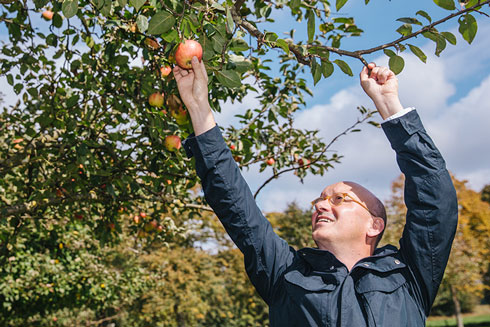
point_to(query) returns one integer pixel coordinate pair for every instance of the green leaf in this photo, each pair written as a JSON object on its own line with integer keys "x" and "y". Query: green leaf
{"x": 104, "y": 6}
{"x": 311, "y": 25}
{"x": 10, "y": 79}
{"x": 468, "y": 27}
{"x": 327, "y": 68}
{"x": 239, "y": 45}
{"x": 389, "y": 53}
{"x": 396, "y": 64}
{"x": 339, "y": 4}
{"x": 142, "y": 23}
{"x": 405, "y": 29}
{"x": 73, "y": 100}
{"x": 218, "y": 42}
{"x": 449, "y": 37}
{"x": 318, "y": 50}
{"x": 161, "y": 22}
{"x": 316, "y": 71}
{"x": 424, "y": 14}
{"x": 70, "y": 8}
{"x": 229, "y": 78}
{"x": 419, "y": 53}
{"x": 446, "y": 4}
{"x": 409, "y": 20}
{"x": 283, "y": 45}
{"x": 137, "y": 4}
{"x": 230, "y": 24}
{"x": 344, "y": 67}
{"x": 122, "y": 3}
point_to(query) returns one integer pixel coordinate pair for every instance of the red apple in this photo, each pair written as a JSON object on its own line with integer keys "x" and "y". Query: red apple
{"x": 156, "y": 100}
{"x": 270, "y": 161}
{"x": 165, "y": 70}
{"x": 304, "y": 162}
{"x": 48, "y": 14}
{"x": 172, "y": 143}
{"x": 143, "y": 215}
{"x": 232, "y": 147}
{"x": 185, "y": 52}
{"x": 154, "y": 224}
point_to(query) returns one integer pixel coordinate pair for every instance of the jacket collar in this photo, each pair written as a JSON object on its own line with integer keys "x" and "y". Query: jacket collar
{"x": 383, "y": 259}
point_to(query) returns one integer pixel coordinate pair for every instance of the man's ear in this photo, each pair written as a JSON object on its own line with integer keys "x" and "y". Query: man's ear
{"x": 376, "y": 227}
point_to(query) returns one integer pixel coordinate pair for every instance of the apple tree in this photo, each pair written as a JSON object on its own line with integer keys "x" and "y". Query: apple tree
{"x": 93, "y": 138}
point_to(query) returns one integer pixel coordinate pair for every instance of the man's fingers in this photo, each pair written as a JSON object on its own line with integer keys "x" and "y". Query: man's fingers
{"x": 197, "y": 68}
{"x": 364, "y": 74}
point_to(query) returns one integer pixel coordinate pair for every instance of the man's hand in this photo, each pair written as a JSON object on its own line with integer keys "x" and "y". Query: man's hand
{"x": 381, "y": 85}
{"x": 193, "y": 89}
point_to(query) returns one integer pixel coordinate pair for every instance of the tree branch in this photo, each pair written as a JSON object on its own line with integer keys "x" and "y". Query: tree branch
{"x": 355, "y": 54}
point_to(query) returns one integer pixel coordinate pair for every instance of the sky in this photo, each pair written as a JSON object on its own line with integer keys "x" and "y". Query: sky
{"x": 450, "y": 93}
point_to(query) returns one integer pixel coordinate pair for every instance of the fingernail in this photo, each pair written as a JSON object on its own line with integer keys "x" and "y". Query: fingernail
{"x": 194, "y": 59}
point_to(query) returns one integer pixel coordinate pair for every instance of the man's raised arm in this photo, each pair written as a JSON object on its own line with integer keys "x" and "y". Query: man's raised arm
{"x": 430, "y": 196}
{"x": 266, "y": 255}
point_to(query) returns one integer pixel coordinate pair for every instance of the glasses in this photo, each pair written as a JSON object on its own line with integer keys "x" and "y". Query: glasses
{"x": 337, "y": 199}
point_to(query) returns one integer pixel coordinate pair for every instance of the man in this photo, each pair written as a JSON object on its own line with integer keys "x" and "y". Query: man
{"x": 346, "y": 281}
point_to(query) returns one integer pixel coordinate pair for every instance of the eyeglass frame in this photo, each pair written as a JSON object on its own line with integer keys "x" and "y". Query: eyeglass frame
{"x": 344, "y": 195}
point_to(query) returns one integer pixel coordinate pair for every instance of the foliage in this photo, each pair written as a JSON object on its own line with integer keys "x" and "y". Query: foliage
{"x": 293, "y": 225}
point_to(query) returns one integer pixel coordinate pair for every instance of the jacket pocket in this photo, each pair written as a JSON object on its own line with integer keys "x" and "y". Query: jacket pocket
{"x": 308, "y": 298}
{"x": 387, "y": 301}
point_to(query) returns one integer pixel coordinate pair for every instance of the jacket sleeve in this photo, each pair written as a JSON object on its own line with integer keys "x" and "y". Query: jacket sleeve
{"x": 266, "y": 255}
{"x": 432, "y": 209}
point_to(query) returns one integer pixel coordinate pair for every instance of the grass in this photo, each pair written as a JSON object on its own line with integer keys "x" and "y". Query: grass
{"x": 481, "y": 318}
{"x": 477, "y": 321}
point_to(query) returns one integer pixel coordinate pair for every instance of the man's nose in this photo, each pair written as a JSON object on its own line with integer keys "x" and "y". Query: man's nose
{"x": 323, "y": 205}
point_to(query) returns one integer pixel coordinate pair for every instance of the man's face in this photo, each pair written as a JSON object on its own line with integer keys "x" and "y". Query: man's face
{"x": 345, "y": 223}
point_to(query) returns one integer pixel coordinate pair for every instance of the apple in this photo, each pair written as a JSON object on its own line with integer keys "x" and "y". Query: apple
{"x": 136, "y": 219}
{"x": 185, "y": 52}
{"x": 78, "y": 216}
{"x": 172, "y": 143}
{"x": 154, "y": 224}
{"x": 152, "y": 43}
{"x": 270, "y": 161}
{"x": 180, "y": 115}
{"x": 156, "y": 100}
{"x": 304, "y": 162}
{"x": 48, "y": 14}
{"x": 232, "y": 147}
{"x": 143, "y": 215}
{"x": 165, "y": 70}
{"x": 160, "y": 228}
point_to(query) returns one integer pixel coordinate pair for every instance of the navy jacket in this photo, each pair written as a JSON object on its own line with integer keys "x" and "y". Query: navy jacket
{"x": 310, "y": 287}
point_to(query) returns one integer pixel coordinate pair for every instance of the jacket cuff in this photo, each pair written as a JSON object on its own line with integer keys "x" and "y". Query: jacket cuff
{"x": 204, "y": 143}
{"x": 399, "y": 130}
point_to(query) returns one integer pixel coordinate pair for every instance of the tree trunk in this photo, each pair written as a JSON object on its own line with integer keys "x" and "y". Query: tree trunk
{"x": 457, "y": 306}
